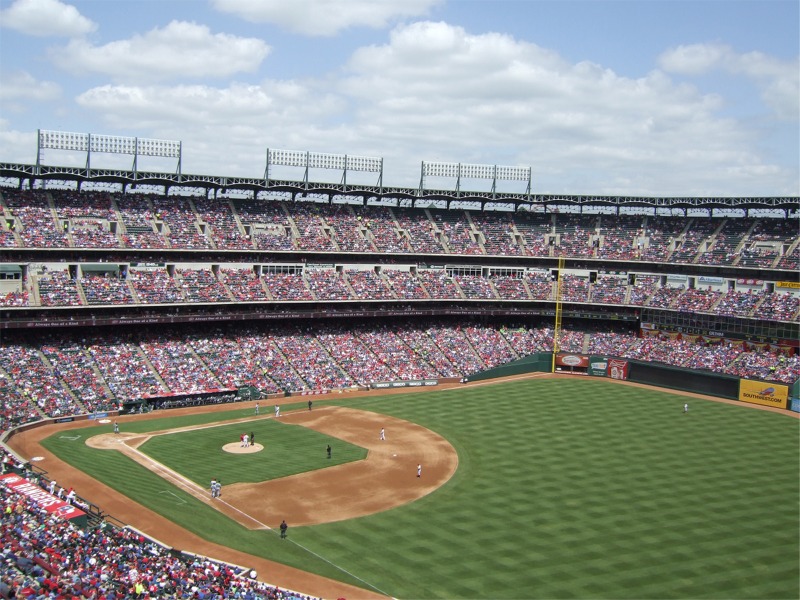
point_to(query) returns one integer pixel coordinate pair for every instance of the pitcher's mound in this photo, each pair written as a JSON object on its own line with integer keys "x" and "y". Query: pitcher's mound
{"x": 236, "y": 448}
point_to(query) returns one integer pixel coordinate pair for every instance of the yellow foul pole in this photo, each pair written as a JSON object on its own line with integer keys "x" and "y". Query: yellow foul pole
{"x": 557, "y": 328}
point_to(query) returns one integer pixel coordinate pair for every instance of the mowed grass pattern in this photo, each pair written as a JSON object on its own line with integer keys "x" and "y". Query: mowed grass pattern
{"x": 579, "y": 488}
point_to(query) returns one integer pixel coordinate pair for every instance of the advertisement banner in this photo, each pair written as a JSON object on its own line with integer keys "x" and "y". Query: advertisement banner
{"x": 598, "y": 366}
{"x": 764, "y": 393}
{"x": 50, "y": 503}
{"x": 572, "y": 360}
{"x": 617, "y": 369}
{"x": 383, "y": 385}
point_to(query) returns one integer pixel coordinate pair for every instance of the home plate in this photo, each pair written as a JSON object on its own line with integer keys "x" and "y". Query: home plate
{"x": 394, "y": 455}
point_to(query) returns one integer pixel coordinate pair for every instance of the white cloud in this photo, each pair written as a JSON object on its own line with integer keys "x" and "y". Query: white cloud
{"x": 778, "y": 81}
{"x": 179, "y": 50}
{"x": 436, "y": 92}
{"x": 44, "y": 18}
{"x": 227, "y": 129}
{"x": 20, "y": 85}
{"x": 470, "y": 98}
{"x": 17, "y": 146}
{"x": 327, "y": 17}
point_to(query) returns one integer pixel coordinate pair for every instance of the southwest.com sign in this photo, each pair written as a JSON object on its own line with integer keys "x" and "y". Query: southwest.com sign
{"x": 766, "y": 394}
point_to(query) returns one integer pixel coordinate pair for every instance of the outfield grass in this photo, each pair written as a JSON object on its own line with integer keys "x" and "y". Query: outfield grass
{"x": 566, "y": 488}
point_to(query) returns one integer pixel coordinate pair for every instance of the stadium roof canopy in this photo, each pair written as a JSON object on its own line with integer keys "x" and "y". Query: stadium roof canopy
{"x": 30, "y": 175}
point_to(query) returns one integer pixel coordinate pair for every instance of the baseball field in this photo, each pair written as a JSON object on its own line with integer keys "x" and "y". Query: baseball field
{"x": 541, "y": 488}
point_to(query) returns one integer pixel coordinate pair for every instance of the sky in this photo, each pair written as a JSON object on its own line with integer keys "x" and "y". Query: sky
{"x": 633, "y": 98}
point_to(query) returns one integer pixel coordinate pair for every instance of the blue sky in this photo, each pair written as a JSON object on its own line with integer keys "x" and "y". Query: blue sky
{"x": 675, "y": 98}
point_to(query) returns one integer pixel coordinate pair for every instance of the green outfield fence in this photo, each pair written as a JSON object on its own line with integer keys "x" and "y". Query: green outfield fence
{"x": 664, "y": 376}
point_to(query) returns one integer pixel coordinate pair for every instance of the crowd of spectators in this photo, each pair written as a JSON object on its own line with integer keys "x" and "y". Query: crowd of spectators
{"x": 177, "y": 366}
{"x": 123, "y": 366}
{"x": 574, "y": 288}
{"x": 46, "y": 556}
{"x": 609, "y": 289}
{"x": 725, "y": 242}
{"x": 309, "y": 283}
{"x": 499, "y": 238}
{"x": 739, "y": 304}
{"x": 692, "y": 240}
{"x": 244, "y": 285}
{"x": 347, "y": 229}
{"x": 136, "y": 214}
{"x": 224, "y": 230}
{"x": 369, "y": 285}
{"x": 65, "y": 219}
{"x": 420, "y": 230}
{"x": 35, "y": 379}
{"x": 697, "y": 300}
{"x": 76, "y": 371}
{"x": 659, "y": 237}
{"x": 540, "y": 284}
{"x": 643, "y": 287}
{"x": 202, "y": 285}
{"x": 287, "y": 286}
{"x": 575, "y": 234}
{"x": 311, "y": 233}
{"x": 780, "y": 306}
{"x": 183, "y": 230}
{"x": 104, "y": 288}
{"x": 328, "y": 284}
{"x": 457, "y": 232}
{"x": 620, "y": 237}
{"x": 475, "y": 287}
{"x": 438, "y": 284}
{"x": 383, "y": 229}
{"x": 58, "y": 288}
{"x": 511, "y": 287}
{"x": 231, "y": 362}
{"x": 155, "y": 286}
{"x": 56, "y": 376}
{"x": 404, "y": 284}
{"x": 535, "y": 230}
{"x": 14, "y": 298}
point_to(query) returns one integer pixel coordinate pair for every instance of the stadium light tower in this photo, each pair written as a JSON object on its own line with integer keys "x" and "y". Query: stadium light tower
{"x": 106, "y": 144}
{"x": 320, "y": 160}
{"x": 459, "y": 171}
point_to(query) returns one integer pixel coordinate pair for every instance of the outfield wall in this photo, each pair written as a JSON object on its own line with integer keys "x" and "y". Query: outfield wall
{"x": 686, "y": 380}
{"x": 541, "y": 362}
{"x": 665, "y": 376}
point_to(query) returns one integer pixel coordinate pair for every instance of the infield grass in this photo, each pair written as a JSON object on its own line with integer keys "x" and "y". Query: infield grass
{"x": 566, "y": 488}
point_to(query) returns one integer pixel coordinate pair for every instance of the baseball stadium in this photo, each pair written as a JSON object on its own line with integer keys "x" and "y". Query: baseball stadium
{"x": 227, "y": 387}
